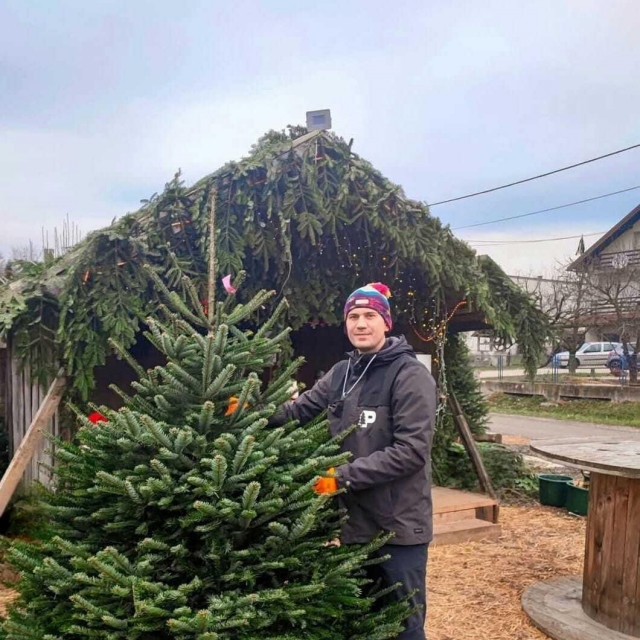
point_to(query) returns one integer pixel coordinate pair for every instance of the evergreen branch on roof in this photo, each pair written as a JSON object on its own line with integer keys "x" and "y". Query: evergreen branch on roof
{"x": 307, "y": 218}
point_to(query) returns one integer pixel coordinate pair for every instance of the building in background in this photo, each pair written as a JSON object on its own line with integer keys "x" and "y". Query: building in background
{"x": 596, "y": 299}
{"x": 611, "y": 272}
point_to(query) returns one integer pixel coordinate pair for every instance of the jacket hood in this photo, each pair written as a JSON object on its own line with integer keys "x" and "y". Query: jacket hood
{"x": 393, "y": 347}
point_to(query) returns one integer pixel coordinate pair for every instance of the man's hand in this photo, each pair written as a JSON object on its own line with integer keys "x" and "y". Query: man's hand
{"x": 326, "y": 485}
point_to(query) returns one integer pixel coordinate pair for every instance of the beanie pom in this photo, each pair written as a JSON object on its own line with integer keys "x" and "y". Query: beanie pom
{"x": 381, "y": 288}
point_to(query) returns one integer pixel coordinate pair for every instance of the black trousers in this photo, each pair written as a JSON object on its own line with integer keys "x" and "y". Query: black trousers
{"x": 408, "y": 565}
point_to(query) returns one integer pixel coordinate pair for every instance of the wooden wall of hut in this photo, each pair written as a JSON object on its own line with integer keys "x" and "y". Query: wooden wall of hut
{"x": 321, "y": 346}
{"x": 3, "y": 383}
{"x": 324, "y": 346}
{"x": 22, "y": 400}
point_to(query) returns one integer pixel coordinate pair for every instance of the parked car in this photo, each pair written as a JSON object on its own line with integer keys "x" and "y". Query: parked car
{"x": 590, "y": 354}
{"x": 617, "y": 361}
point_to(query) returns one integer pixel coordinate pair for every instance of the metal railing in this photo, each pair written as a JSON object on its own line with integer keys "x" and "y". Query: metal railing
{"x": 618, "y": 259}
{"x": 626, "y": 304}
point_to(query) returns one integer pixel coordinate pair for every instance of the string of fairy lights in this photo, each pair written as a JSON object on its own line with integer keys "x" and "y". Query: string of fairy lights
{"x": 428, "y": 324}
{"x": 426, "y": 319}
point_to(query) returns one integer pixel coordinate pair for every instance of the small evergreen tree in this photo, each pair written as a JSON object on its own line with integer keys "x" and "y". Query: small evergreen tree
{"x": 463, "y": 383}
{"x": 450, "y": 463}
{"x": 184, "y": 516}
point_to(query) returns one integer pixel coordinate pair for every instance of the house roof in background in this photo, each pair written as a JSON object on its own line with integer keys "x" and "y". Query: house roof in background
{"x": 615, "y": 232}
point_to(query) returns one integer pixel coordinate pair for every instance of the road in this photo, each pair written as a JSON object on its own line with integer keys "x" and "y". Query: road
{"x": 548, "y": 428}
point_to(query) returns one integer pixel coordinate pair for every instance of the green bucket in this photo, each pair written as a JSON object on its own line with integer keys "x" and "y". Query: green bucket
{"x": 553, "y": 489}
{"x": 577, "y": 499}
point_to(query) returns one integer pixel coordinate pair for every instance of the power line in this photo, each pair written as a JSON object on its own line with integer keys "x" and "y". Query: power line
{"x": 541, "y": 175}
{"x": 580, "y": 235}
{"x": 487, "y": 243}
{"x": 534, "y": 213}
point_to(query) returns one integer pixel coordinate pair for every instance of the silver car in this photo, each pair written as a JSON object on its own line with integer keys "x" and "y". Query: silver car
{"x": 590, "y": 354}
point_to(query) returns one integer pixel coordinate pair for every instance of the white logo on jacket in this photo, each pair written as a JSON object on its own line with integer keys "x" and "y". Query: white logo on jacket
{"x": 366, "y": 418}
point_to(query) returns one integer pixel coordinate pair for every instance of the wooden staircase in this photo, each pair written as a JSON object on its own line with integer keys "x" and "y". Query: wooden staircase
{"x": 462, "y": 516}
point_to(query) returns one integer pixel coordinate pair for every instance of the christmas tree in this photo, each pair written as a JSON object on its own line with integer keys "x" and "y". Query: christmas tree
{"x": 184, "y": 515}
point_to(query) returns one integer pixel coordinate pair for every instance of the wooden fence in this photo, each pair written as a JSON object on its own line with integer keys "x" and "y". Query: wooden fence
{"x": 23, "y": 397}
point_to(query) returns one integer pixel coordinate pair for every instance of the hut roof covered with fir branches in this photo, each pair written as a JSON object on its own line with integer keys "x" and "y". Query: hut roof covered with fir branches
{"x": 302, "y": 215}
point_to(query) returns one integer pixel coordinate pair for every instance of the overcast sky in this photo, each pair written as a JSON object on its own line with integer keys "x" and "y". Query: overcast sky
{"x": 102, "y": 101}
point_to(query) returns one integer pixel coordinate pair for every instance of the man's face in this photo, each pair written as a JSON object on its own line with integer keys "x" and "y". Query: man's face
{"x": 365, "y": 329}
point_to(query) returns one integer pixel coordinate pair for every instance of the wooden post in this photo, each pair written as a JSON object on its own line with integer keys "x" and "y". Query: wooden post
{"x": 211, "y": 289}
{"x": 470, "y": 445}
{"x": 30, "y": 442}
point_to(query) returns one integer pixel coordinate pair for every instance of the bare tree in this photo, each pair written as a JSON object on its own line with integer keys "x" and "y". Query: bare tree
{"x": 562, "y": 299}
{"x": 572, "y": 323}
{"x": 27, "y": 253}
{"x": 613, "y": 289}
{"x": 51, "y": 248}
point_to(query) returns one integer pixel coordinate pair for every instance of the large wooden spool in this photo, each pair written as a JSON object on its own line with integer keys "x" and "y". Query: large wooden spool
{"x": 611, "y": 584}
{"x": 611, "y": 577}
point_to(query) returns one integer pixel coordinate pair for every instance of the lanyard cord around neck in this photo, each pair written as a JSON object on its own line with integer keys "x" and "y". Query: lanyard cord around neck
{"x": 346, "y": 376}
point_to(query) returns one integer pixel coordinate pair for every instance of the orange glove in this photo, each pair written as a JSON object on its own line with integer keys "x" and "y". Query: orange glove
{"x": 326, "y": 485}
{"x": 233, "y": 406}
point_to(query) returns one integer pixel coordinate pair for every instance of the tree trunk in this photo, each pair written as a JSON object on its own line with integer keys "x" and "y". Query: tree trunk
{"x": 573, "y": 362}
{"x": 632, "y": 359}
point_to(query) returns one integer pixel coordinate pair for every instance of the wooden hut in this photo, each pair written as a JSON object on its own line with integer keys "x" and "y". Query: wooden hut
{"x": 305, "y": 217}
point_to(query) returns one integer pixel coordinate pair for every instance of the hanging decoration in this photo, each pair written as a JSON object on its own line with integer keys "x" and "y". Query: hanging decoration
{"x": 228, "y": 287}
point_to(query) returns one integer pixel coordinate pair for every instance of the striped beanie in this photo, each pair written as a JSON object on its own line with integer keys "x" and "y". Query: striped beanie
{"x": 372, "y": 296}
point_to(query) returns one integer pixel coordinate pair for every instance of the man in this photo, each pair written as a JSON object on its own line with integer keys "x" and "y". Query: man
{"x": 391, "y": 396}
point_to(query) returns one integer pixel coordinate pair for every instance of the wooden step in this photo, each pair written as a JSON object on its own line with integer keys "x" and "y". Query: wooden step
{"x": 463, "y": 516}
{"x": 452, "y": 516}
{"x": 446, "y": 500}
{"x": 453, "y": 504}
{"x": 468, "y": 530}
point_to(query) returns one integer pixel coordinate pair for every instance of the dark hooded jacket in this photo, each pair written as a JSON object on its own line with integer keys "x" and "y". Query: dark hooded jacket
{"x": 391, "y": 396}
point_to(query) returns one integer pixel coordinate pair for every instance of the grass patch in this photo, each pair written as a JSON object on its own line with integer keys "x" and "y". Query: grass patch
{"x": 603, "y": 412}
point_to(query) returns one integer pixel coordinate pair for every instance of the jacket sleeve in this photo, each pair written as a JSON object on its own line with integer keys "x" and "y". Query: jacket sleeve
{"x": 307, "y": 406}
{"x": 413, "y": 409}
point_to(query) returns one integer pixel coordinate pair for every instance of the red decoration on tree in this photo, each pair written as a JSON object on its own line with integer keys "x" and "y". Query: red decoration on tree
{"x": 96, "y": 417}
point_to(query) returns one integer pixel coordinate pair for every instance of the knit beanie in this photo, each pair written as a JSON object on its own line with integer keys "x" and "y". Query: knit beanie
{"x": 372, "y": 296}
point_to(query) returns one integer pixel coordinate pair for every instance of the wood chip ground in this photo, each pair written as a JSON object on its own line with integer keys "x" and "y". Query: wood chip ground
{"x": 475, "y": 588}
